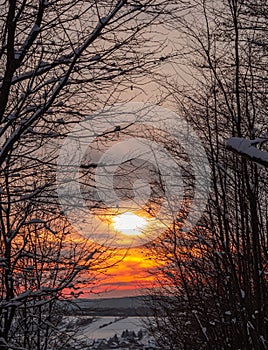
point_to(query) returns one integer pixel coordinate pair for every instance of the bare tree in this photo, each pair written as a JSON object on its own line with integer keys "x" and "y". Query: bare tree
{"x": 217, "y": 274}
{"x": 60, "y": 61}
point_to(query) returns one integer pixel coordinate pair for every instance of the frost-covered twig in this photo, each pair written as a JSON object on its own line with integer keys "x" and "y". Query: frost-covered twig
{"x": 246, "y": 148}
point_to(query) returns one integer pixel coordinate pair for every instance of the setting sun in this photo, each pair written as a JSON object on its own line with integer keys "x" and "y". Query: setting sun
{"x": 129, "y": 223}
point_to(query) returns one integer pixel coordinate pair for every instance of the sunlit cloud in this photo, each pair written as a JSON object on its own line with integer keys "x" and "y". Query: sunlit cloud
{"x": 129, "y": 223}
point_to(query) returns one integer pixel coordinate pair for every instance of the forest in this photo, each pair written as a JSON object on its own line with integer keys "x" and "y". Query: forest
{"x": 152, "y": 109}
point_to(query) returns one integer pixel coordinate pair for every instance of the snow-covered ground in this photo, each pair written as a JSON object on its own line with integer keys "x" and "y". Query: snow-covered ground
{"x": 106, "y": 327}
{"x": 103, "y": 326}
{"x": 98, "y": 332}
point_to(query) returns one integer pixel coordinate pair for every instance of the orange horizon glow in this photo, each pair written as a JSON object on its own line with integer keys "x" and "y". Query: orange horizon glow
{"x": 129, "y": 277}
{"x": 130, "y": 269}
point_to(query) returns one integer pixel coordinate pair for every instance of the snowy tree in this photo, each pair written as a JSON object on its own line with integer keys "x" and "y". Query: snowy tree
{"x": 248, "y": 149}
{"x": 60, "y": 60}
{"x": 217, "y": 273}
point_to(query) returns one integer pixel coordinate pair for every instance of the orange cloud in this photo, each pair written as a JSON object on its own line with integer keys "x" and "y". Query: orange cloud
{"x": 129, "y": 276}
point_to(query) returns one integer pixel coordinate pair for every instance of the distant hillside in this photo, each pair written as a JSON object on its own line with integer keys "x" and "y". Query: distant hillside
{"x": 127, "y": 306}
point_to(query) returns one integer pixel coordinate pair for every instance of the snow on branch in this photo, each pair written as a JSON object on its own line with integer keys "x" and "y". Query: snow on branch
{"x": 247, "y": 148}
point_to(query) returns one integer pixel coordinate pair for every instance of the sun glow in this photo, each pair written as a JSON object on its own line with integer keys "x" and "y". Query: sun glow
{"x": 129, "y": 224}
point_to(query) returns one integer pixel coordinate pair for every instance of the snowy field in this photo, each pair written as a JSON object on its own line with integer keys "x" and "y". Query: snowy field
{"x": 105, "y": 326}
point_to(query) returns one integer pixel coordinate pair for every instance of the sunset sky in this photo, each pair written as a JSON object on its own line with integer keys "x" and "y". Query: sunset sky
{"x": 129, "y": 277}
{"x": 133, "y": 195}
